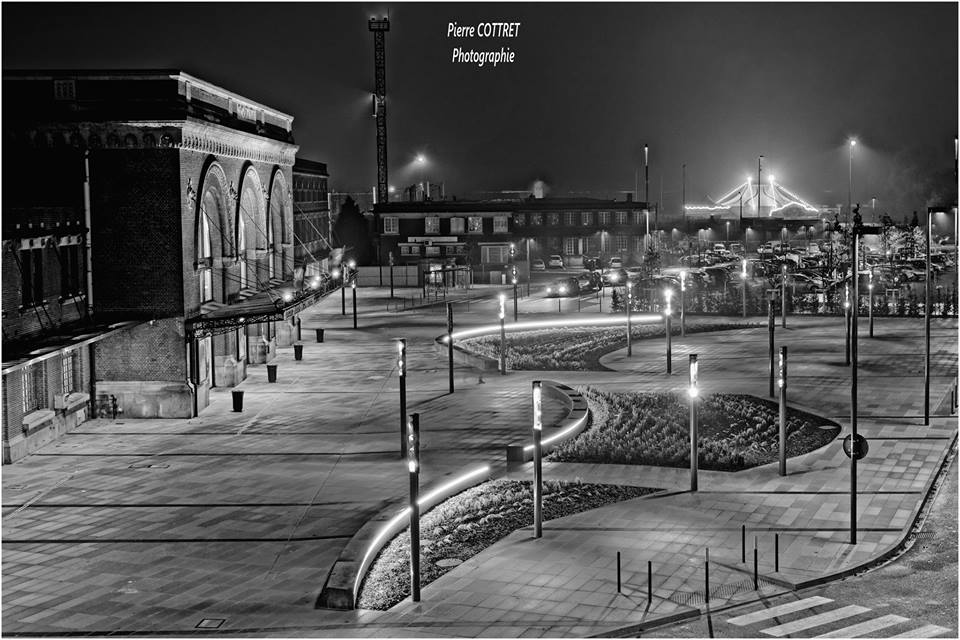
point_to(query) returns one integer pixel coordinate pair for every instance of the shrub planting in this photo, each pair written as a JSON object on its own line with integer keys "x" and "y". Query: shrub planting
{"x": 736, "y": 431}
{"x": 471, "y": 521}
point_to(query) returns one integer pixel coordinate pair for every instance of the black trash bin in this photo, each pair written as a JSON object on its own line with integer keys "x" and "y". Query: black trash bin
{"x": 237, "y": 400}
{"x": 271, "y": 373}
{"x": 298, "y": 352}
{"x": 319, "y": 335}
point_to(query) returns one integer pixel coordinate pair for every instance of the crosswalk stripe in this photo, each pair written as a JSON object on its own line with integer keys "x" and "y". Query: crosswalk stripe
{"x": 865, "y": 628}
{"x": 779, "y": 610}
{"x": 926, "y": 631}
{"x": 815, "y": 621}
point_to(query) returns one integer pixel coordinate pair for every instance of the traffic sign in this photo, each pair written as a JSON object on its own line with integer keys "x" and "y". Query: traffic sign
{"x": 858, "y": 450}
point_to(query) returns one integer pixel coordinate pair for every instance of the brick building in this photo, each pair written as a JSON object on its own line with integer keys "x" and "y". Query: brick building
{"x": 479, "y": 233}
{"x": 311, "y": 219}
{"x": 152, "y": 199}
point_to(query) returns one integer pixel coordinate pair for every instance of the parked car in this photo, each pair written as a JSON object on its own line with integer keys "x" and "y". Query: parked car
{"x": 614, "y": 277}
{"x": 555, "y": 262}
{"x": 736, "y": 248}
{"x": 719, "y": 247}
{"x": 765, "y": 249}
{"x": 592, "y": 263}
{"x": 616, "y": 262}
{"x": 563, "y": 288}
{"x": 588, "y": 281}
{"x": 537, "y": 265}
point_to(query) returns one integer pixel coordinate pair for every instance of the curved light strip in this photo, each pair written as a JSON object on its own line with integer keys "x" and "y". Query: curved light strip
{"x": 385, "y": 530}
{"x": 560, "y": 434}
{"x": 703, "y": 207}
{"x": 552, "y": 324}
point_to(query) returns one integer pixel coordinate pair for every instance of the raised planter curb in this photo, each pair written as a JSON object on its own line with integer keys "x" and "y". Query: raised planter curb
{"x": 343, "y": 582}
{"x": 569, "y": 427}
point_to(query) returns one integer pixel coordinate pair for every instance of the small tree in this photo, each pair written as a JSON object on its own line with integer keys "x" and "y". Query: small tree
{"x": 353, "y": 233}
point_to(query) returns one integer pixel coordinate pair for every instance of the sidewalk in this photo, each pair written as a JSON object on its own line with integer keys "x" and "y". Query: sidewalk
{"x": 233, "y": 520}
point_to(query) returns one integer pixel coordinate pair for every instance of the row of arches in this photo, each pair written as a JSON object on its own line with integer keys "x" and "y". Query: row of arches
{"x": 241, "y": 231}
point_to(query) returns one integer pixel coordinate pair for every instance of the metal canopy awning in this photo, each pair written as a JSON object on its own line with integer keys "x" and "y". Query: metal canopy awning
{"x": 25, "y": 353}
{"x": 264, "y": 306}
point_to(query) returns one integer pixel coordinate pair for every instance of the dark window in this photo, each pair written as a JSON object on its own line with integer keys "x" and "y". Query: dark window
{"x": 70, "y": 267}
{"x": 31, "y": 264}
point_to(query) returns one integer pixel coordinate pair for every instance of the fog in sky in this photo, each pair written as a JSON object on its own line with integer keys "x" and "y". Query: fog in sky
{"x": 709, "y": 85}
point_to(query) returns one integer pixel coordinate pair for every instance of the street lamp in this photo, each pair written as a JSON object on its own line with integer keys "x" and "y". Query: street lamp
{"x": 503, "y": 338}
{"x": 413, "y": 466}
{"x": 693, "y": 391}
{"x": 744, "y": 277}
{"x": 667, "y": 294}
{"x": 353, "y": 288}
{"x": 537, "y": 457}
{"x": 683, "y": 287}
{"x": 870, "y": 300}
{"x": 853, "y": 143}
{"x": 846, "y": 313}
{"x": 629, "y": 303}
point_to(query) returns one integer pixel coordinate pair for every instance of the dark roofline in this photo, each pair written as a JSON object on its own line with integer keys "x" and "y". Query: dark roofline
{"x": 310, "y": 166}
{"x": 519, "y": 204}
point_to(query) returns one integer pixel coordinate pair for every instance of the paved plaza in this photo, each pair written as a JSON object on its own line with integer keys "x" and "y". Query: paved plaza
{"x": 230, "y": 522}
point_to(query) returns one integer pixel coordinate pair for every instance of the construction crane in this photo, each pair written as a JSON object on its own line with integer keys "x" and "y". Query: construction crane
{"x": 379, "y": 27}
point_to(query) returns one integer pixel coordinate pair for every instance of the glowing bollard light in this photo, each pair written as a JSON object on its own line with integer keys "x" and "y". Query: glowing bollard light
{"x": 694, "y": 391}
{"x": 629, "y": 304}
{"x": 503, "y": 338}
{"x": 561, "y": 292}
{"x": 537, "y": 459}
{"x": 683, "y": 287}
{"x": 846, "y": 313}
{"x": 744, "y": 276}
{"x": 353, "y": 288}
{"x": 413, "y": 466}
{"x": 402, "y": 374}
{"x": 514, "y": 294}
{"x": 782, "y": 382}
{"x": 667, "y": 293}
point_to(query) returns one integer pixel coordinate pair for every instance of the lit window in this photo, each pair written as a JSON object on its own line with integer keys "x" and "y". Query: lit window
{"x": 621, "y": 217}
{"x": 500, "y": 224}
{"x": 391, "y": 225}
{"x": 586, "y": 218}
{"x": 623, "y": 243}
{"x": 432, "y": 224}
{"x": 204, "y": 258}
{"x": 570, "y": 246}
{"x": 68, "y": 370}
{"x": 536, "y": 219}
{"x": 604, "y": 218}
{"x": 474, "y": 224}
{"x": 519, "y": 219}
{"x": 569, "y": 218}
{"x": 456, "y": 225}
{"x": 34, "y": 387}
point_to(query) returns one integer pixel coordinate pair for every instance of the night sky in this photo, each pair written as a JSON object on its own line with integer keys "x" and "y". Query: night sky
{"x": 710, "y": 85}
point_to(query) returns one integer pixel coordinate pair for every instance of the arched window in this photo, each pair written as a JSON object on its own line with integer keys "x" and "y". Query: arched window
{"x": 242, "y": 250}
{"x": 205, "y": 252}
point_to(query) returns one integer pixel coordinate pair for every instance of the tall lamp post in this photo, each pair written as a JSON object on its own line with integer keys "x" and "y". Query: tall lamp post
{"x": 693, "y": 392}
{"x": 846, "y": 313}
{"x": 402, "y": 373}
{"x": 853, "y": 143}
{"x": 870, "y": 300}
{"x": 343, "y": 291}
{"x": 629, "y": 302}
{"x": 353, "y": 289}
{"x": 537, "y": 457}
{"x": 503, "y": 338}
{"x": 782, "y": 382}
{"x": 667, "y": 294}
{"x": 514, "y": 279}
{"x": 744, "y": 277}
{"x": 759, "y": 184}
{"x": 926, "y": 325}
{"x": 783, "y": 295}
{"x": 413, "y": 466}
{"x": 683, "y": 287}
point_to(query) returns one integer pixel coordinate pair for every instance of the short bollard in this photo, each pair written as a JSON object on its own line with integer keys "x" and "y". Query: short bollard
{"x": 755, "y": 582}
{"x": 319, "y": 335}
{"x": 237, "y": 400}
{"x": 743, "y": 543}
{"x": 618, "y": 572}
{"x": 776, "y": 552}
{"x": 706, "y": 577}
{"x": 649, "y": 582}
{"x": 299, "y": 330}
{"x": 271, "y": 373}
{"x": 298, "y": 352}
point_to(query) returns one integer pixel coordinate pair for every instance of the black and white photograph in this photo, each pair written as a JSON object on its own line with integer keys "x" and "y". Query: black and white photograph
{"x": 479, "y": 320}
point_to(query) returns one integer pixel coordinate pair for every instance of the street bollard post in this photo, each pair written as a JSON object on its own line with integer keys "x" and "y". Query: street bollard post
{"x": 618, "y": 572}
{"x": 693, "y": 392}
{"x": 537, "y": 459}
{"x": 771, "y": 327}
{"x": 503, "y": 338}
{"x": 413, "y": 465}
{"x": 743, "y": 543}
{"x": 782, "y": 382}
{"x": 450, "y": 343}
{"x": 706, "y": 577}
{"x": 776, "y": 552}
{"x": 402, "y": 374}
{"x": 666, "y": 318}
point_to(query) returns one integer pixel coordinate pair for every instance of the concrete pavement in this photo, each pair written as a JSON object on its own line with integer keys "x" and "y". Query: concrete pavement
{"x": 231, "y": 521}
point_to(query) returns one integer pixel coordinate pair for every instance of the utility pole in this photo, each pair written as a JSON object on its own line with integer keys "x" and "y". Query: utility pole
{"x": 379, "y": 27}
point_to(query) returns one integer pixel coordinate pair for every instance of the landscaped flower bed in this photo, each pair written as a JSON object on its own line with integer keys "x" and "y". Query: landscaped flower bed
{"x": 736, "y": 431}
{"x": 575, "y": 349}
{"x": 471, "y": 521}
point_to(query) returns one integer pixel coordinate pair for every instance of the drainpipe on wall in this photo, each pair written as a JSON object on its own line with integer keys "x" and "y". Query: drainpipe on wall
{"x": 87, "y": 236}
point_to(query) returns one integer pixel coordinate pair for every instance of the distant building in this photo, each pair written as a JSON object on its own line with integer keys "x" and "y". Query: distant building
{"x": 311, "y": 219}
{"x": 155, "y": 200}
{"x": 480, "y": 233}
